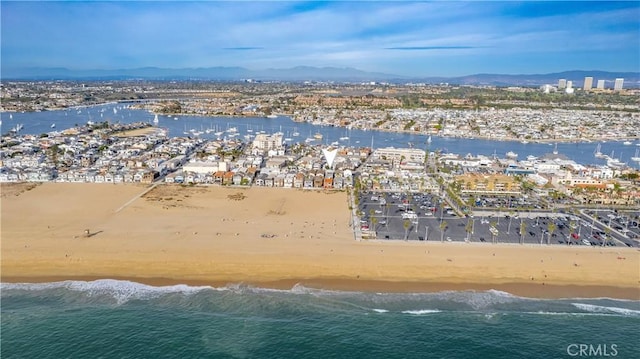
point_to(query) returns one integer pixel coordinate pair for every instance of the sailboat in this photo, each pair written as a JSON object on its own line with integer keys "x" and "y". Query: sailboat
{"x": 598, "y": 153}
{"x": 53, "y": 125}
{"x": 155, "y": 120}
{"x": 636, "y": 157}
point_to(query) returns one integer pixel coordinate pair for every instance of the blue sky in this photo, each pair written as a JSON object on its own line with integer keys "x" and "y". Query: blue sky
{"x": 395, "y": 37}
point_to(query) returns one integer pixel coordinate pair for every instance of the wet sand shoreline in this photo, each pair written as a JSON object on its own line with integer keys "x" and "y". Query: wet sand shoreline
{"x": 273, "y": 238}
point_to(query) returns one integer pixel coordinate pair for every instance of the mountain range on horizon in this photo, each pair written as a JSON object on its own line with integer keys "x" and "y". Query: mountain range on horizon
{"x": 307, "y": 73}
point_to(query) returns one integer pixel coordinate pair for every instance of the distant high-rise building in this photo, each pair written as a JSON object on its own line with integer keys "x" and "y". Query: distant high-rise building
{"x": 562, "y": 83}
{"x": 600, "y": 84}
{"x": 617, "y": 86}
{"x": 588, "y": 83}
{"x": 569, "y": 84}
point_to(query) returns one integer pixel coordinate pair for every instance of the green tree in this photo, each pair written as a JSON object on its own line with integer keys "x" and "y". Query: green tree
{"x": 494, "y": 231}
{"x": 371, "y": 213}
{"x": 551, "y": 227}
{"x": 406, "y": 225}
{"x": 523, "y": 230}
{"x": 572, "y": 227}
{"x": 469, "y": 228}
{"x": 443, "y": 227}
{"x": 607, "y": 233}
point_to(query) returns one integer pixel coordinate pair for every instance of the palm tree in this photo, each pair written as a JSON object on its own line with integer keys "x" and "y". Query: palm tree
{"x": 443, "y": 226}
{"x": 572, "y": 226}
{"x": 494, "y": 231}
{"x": 551, "y": 227}
{"x": 607, "y": 232}
{"x": 386, "y": 214}
{"x": 523, "y": 229}
{"x": 469, "y": 228}
{"x": 406, "y": 225}
{"x": 374, "y": 221}
{"x": 509, "y": 225}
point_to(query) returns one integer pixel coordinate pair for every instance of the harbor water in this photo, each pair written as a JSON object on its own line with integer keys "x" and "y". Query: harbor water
{"x": 182, "y": 125}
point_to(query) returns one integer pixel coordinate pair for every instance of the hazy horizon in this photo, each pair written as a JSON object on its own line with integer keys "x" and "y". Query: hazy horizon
{"x": 402, "y": 38}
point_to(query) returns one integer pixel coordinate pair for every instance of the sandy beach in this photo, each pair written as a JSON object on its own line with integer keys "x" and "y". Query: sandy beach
{"x": 270, "y": 237}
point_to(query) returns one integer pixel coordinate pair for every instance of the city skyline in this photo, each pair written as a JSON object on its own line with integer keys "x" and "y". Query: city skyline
{"x": 403, "y": 38}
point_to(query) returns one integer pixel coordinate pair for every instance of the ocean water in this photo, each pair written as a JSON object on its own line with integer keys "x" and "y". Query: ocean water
{"x": 121, "y": 319}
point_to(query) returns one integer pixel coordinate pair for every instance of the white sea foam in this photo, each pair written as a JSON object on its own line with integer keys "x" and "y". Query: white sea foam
{"x": 421, "y": 311}
{"x": 602, "y": 309}
{"x": 120, "y": 290}
{"x": 380, "y": 310}
{"x": 478, "y": 300}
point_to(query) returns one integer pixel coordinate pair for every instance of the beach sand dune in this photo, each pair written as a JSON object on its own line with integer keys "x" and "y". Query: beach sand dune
{"x": 270, "y": 237}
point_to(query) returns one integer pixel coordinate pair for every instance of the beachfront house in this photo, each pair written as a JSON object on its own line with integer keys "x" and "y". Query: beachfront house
{"x": 308, "y": 181}
{"x": 237, "y": 178}
{"x": 318, "y": 181}
{"x": 260, "y": 179}
{"x": 288, "y": 180}
{"x": 227, "y": 178}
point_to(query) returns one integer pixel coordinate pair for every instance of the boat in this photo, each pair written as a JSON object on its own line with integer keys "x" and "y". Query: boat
{"x": 524, "y": 142}
{"x": 627, "y": 143}
{"x": 155, "y": 120}
{"x": 53, "y": 125}
{"x": 317, "y": 136}
{"x": 512, "y": 155}
{"x": 636, "y": 157}
{"x": 272, "y": 116}
{"x": 295, "y": 134}
{"x": 614, "y": 162}
{"x": 17, "y": 128}
{"x": 344, "y": 138}
{"x": 597, "y": 153}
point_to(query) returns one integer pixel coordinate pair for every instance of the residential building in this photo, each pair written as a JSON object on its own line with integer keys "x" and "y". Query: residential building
{"x": 588, "y": 83}
{"x": 617, "y": 86}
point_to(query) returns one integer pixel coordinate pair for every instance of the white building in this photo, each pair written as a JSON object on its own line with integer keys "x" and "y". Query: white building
{"x": 617, "y": 86}
{"x": 266, "y": 142}
{"x": 400, "y": 154}
{"x": 588, "y": 83}
{"x": 562, "y": 83}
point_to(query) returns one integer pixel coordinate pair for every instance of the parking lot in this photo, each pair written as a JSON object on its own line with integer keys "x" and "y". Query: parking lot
{"x": 396, "y": 216}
